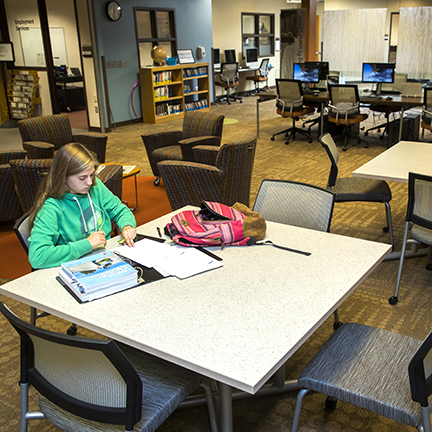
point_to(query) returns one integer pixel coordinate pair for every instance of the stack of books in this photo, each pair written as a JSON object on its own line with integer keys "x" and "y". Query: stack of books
{"x": 98, "y": 275}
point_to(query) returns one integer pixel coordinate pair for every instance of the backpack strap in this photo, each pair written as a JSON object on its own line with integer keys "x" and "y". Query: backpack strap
{"x": 270, "y": 243}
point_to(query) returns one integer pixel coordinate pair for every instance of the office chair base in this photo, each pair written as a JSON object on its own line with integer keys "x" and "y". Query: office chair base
{"x": 290, "y": 133}
{"x": 347, "y": 134}
{"x": 393, "y": 300}
{"x": 228, "y": 99}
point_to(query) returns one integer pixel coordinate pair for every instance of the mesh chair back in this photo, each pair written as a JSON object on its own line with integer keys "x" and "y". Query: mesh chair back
{"x": 340, "y": 93}
{"x": 294, "y": 203}
{"x": 53, "y": 129}
{"x": 427, "y": 102}
{"x": 28, "y": 175}
{"x": 420, "y": 373}
{"x": 229, "y": 73}
{"x": 21, "y": 229}
{"x": 198, "y": 124}
{"x": 419, "y": 209}
{"x": 87, "y": 377}
{"x": 327, "y": 142}
{"x": 263, "y": 70}
{"x": 290, "y": 95}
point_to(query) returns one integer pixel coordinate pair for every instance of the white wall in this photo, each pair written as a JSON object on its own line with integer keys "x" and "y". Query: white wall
{"x": 227, "y": 30}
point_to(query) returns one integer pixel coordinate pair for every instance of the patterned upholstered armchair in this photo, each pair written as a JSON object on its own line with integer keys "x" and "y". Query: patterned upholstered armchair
{"x": 227, "y": 181}
{"x": 29, "y": 173}
{"x": 206, "y": 128}
{"x": 42, "y": 136}
{"x": 10, "y": 207}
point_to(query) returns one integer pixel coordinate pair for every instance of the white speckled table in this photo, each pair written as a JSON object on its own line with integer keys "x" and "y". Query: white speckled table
{"x": 395, "y": 163}
{"x": 237, "y": 324}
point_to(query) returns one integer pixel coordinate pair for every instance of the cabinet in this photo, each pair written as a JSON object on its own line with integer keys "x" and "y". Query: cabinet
{"x": 169, "y": 91}
{"x": 22, "y": 93}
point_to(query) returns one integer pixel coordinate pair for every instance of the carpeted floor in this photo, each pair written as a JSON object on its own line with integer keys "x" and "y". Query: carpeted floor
{"x": 299, "y": 161}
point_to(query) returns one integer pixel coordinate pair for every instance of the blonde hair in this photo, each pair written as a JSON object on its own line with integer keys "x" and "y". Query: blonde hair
{"x": 71, "y": 159}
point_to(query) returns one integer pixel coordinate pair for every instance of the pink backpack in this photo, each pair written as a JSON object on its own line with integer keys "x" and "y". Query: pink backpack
{"x": 217, "y": 224}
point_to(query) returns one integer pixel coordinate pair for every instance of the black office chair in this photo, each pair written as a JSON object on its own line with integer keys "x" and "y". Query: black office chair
{"x": 289, "y": 103}
{"x": 418, "y": 221}
{"x": 261, "y": 77}
{"x": 229, "y": 80}
{"x": 384, "y": 372}
{"x": 92, "y": 384}
{"x": 351, "y": 189}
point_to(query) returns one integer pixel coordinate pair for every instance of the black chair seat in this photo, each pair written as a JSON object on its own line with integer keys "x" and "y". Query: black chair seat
{"x": 361, "y": 189}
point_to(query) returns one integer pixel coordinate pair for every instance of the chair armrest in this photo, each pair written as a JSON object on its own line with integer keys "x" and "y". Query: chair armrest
{"x": 188, "y": 144}
{"x": 205, "y": 154}
{"x": 189, "y": 183}
{"x": 7, "y": 155}
{"x": 95, "y": 142}
{"x": 38, "y": 150}
{"x": 159, "y": 140}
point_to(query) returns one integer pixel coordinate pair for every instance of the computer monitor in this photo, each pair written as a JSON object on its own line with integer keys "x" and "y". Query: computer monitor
{"x": 230, "y": 56}
{"x": 307, "y": 72}
{"x": 378, "y": 73}
{"x": 252, "y": 57}
{"x": 216, "y": 58}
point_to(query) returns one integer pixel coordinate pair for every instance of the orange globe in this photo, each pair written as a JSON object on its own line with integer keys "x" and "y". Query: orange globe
{"x": 158, "y": 54}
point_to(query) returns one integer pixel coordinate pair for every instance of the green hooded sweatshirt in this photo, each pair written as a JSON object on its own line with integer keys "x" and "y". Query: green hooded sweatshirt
{"x": 62, "y": 225}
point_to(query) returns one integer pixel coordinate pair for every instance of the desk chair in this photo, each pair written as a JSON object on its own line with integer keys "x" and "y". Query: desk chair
{"x": 178, "y": 145}
{"x": 229, "y": 80}
{"x": 418, "y": 219}
{"x": 344, "y": 109}
{"x": 43, "y": 135}
{"x": 21, "y": 230}
{"x": 261, "y": 77}
{"x": 299, "y": 204}
{"x": 387, "y": 373}
{"x": 352, "y": 189}
{"x": 427, "y": 110}
{"x": 289, "y": 103}
{"x": 225, "y": 178}
{"x": 89, "y": 384}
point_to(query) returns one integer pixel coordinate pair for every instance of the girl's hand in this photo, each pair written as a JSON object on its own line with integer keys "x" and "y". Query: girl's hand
{"x": 129, "y": 233}
{"x": 97, "y": 239}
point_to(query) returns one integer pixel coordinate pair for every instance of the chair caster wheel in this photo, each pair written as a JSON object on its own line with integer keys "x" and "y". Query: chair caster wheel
{"x": 309, "y": 140}
{"x": 330, "y": 403}
{"x": 241, "y": 101}
{"x": 393, "y": 300}
{"x": 344, "y": 149}
{"x": 272, "y": 138}
{"x": 336, "y": 325}
{"x": 428, "y": 267}
{"x": 386, "y": 229}
{"x": 366, "y": 133}
{"x": 157, "y": 181}
{"x": 72, "y": 330}
{"x": 381, "y": 137}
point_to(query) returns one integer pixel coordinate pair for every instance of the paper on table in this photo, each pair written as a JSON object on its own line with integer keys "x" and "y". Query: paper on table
{"x": 169, "y": 260}
{"x": 186, "y": 263}
{"x": 128, "y": 168}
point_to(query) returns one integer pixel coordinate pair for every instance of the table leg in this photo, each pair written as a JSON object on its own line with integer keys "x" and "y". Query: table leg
{"x": 401, "y": 124}
{"x": 322, "y": 119}
{"x": 136, "y": 195}
{"x": 225, "y": 392}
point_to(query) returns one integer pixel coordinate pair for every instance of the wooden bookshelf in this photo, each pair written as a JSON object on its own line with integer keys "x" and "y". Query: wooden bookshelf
{"x": 167, "y": 92}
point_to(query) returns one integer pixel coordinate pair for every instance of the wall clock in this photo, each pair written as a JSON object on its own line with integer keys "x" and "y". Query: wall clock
{"x": 113, "y": 10}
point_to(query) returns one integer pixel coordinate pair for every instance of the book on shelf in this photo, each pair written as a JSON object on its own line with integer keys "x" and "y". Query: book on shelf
{"x": 97, "y": 275}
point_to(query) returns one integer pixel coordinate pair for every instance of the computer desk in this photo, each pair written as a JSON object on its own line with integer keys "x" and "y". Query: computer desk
{"x": 237, "y": 324}
{"x": 323, "y": 97}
